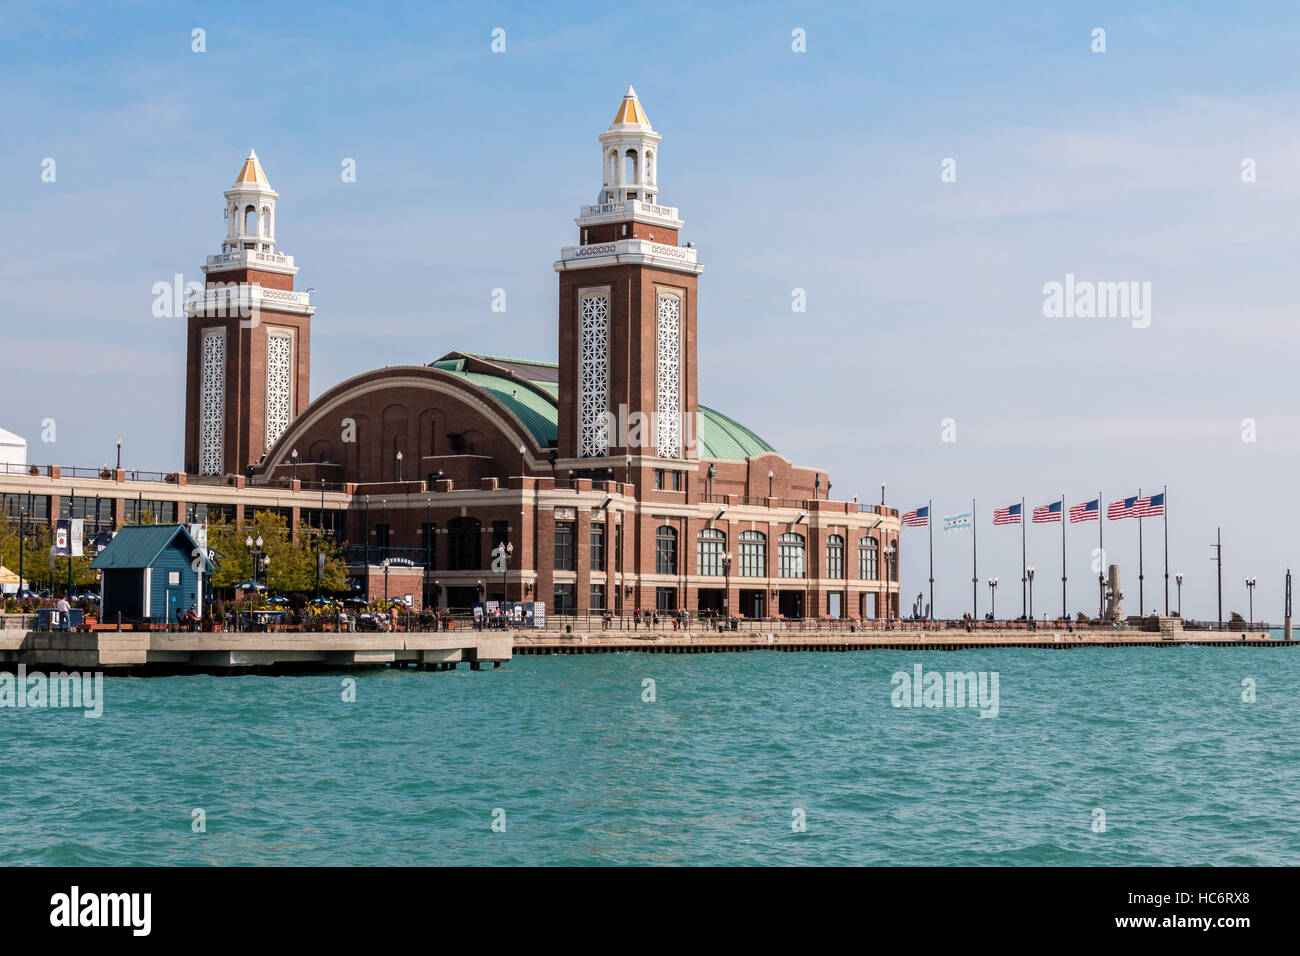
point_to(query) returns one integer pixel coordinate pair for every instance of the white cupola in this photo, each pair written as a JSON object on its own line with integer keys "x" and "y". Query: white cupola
{"x": 630, "y": 155}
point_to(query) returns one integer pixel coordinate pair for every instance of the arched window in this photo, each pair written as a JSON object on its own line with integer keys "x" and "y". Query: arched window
{"x": 266, "y": 221}
{"x": 711, "y": 545}
{"x": 630, "y": 172}
{"x": 753, "y": 554}
{"x": 869, "y": 559}
{"x": 665, "y": 550}
{"x": 790, "y": 563}
{"x": 464, "y": 544}
{"x": 613, "y": 167}
{"x": 835, "y": 556}
{"x": 250, "y": 221}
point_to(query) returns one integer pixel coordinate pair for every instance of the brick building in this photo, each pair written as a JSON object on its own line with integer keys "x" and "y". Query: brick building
{"x": 611, "y": 485}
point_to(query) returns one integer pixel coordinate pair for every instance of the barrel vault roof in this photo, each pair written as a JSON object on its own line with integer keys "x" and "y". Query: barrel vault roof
{"x": 529, "y": 390}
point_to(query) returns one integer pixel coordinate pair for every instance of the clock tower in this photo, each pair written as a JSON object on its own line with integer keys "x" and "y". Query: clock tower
{"x": 249, "y": 338}
{"x": 627, "y": 323}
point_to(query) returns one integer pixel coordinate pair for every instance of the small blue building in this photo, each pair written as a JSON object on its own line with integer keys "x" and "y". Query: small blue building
{"x": 151, "y": 572}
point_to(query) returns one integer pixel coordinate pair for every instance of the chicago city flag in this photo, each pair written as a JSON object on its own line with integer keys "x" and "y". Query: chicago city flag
{"x": 961, "y": 522}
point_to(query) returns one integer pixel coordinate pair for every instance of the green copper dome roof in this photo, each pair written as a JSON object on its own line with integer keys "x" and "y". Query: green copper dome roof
{"x": 530, "y": 392}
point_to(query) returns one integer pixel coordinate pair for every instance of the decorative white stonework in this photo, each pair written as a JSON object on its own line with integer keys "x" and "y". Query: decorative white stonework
{"x": 279, "y": 385}
{"x": 593, "y": 375}
{"x": 668, "y": 379}
{"x": 212, "y": 402}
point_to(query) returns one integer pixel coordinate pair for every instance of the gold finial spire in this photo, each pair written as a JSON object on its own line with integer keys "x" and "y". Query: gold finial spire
{"x": 252, "y": 172}
{"x": 630, "y": 111}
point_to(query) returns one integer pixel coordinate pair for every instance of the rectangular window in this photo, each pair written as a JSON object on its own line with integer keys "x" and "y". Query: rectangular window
{"x": 563, "y": 599}
{"x": 152, "y": 512}
{"x": 598, "y": 547}
{"x": 868, "y": 559}
{"x": 665, "y": 550}
{"x": 618, "y": 548}
{"x": 36, "y": 506}
{"x": 709, "y": 557}
{"x": 564, "y": 547}
{"x": 659, "y": 479}
{"x": 753, "y": 555}
{"x": 666, "y": 599}
{"x": 598, "y": 597}
{"x": 677, "y": 481}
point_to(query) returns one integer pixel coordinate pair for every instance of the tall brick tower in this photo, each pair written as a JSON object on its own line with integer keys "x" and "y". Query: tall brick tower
{"x": 627, "y": 313}
{"x": 249, "y": 346}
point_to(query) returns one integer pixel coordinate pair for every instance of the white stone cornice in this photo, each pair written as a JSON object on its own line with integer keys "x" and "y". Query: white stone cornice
{"x": 629, "y": 252}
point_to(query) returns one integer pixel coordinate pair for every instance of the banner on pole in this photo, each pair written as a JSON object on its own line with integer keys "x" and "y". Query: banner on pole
{"x": 78, "y": 532}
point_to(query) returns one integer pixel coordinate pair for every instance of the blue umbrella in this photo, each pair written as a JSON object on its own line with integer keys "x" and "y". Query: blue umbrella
{"x": 278, "y": 600}
{"x": 250, "y": 586}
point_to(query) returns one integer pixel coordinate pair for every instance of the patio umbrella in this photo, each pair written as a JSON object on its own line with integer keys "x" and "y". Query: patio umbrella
{"x": 250, "y": 586}
{"x": 355, "y": 601}
{"x": 278, "y": 600}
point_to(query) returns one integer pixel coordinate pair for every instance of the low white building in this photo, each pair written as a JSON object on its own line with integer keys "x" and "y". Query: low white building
{"x": 13, "y": 449}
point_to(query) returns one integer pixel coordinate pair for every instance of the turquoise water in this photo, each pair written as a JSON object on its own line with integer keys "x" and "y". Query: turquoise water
{"x": 711, "y": 772}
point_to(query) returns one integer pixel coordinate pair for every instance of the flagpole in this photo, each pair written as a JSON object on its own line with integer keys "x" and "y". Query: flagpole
{"x": 1023, "y": 607}
{"x": 1101, "y": 556}
{"x": 1138, "y": 504}
{"x": 929, "y": 524}
{"x": 1064, "y": 613}
{"x": 974, "y": 569}
{"x": 1165, "y": 499}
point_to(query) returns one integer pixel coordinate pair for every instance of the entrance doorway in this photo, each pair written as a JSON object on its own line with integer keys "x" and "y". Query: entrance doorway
{"x": 753, "y": 603}
{"x": 791, "y": 604}
{"x": 711, "y": 599}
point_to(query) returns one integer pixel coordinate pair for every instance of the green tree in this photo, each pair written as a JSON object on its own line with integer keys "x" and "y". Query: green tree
{"x": 36, "y": 557}
{"x": 293, "y": 563}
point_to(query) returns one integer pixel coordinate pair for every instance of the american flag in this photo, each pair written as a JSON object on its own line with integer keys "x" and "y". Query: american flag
{"x": 1045, "y": 514}
{"x": 917, "y": 518}
{"x": 1122, "y": 508}
{"x": 1088, "y": 511}
{"x": 1007, "y": 515}
{"x": 1152, "y": 507}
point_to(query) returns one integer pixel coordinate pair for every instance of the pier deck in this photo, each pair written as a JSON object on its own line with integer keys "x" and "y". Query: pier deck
{"x": 171, "y": 651}
{"x": 705, "y": 642}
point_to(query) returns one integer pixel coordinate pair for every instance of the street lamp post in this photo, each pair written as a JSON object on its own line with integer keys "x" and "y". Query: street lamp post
{"x": 258, "y": 556}
{"x": 399, "y": 466}
{"x": 22, "y": 541}
{"x": 119, "y": 454}
{"x": 993, "y": 593}
{"x": 726, "y": 594}
{"x": 293, "y": 461}
{"x": 522, "y": 452}
{"x": 1250, "y": 587}
{"x": 1178, "y": 578}
{"x": 770, "y": 475}
{"x": 1030, "y": 572}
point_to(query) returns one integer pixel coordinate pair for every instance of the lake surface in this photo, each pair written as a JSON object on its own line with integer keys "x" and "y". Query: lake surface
{"x": 734, "y": 753}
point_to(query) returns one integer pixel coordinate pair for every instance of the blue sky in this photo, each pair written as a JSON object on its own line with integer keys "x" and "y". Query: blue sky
{"x": 818, "y": 171}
